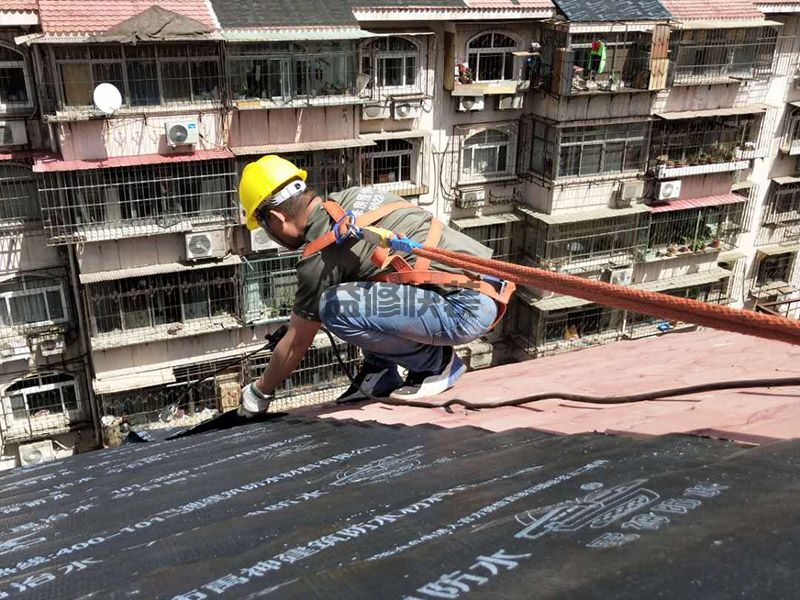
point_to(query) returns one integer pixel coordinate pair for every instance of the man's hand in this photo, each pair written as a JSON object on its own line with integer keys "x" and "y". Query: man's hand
{"x": 253, "y": 401}
{"x": 285, "y": 358}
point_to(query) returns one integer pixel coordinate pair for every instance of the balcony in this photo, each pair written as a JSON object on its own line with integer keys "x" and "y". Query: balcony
{"x": 582, "y": 242}
{"x": 270, "y": 287}
{"x": 717, "y": 56}
{"x": 790, "y": 142}
{"x": 139, "y": 196}
{"x": 707, "y": 141}
{"x": 500, "y": 232}
{"x": 19, "y": 203}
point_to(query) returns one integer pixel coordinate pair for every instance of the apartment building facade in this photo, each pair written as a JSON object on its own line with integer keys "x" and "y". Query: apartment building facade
{"x": 641, "y": 148}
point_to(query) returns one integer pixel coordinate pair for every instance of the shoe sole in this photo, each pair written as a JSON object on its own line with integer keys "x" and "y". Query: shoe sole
{"x": 439, "y": 384}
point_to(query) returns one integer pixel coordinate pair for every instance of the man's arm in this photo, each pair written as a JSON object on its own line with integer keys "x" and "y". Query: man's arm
{"x": 288, "y": 353}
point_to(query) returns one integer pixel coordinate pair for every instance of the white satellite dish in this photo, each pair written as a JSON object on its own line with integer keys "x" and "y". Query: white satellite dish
{"x": 107, "y": 98}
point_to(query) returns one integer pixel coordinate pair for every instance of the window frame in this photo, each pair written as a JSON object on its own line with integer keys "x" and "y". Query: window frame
{"x": 467, "y": 177}
{"x": 602, "y": 142}
{"x": 23, "y": 64}
{"x": 377, "y": 58}
{"x": 505, "y": 51}
{"x": 26, "y": 291}
{"x": 25, "y": 392}
{"x": 787, "y": 258}
{"x": 411, "y": 153}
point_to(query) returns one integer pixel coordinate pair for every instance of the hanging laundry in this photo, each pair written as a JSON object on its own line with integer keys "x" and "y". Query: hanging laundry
{"x": 597, "y": 57}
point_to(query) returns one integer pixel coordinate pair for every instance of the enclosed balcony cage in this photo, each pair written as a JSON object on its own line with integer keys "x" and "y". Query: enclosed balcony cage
{"x": 105, "y": 204}
{"x": 579, "y": 243}
{"x": 19, "y": 202}
{"x": 790, "y": 143}
{"x": 782, "y": 205}
{"x": 396, "y": 165}
{"x": 294, "y": 73}
{"x": 165, "y": 74}
{"x": 42, "y": 404}
{"x": 700, "y": 140}
{"x": 269, "y": 288}
{"x": 706, "y": 56}
{"x": 558, "y": 151}
{"x": 16, "y": 91}
{"x": 616, "y": 59}
{"x": 712, "y": 228}
{"x": 395, "y": 66}
{"x": 788, "y": 306}
{"x": 500, "y": 232}
{"x": 164, "y": 306}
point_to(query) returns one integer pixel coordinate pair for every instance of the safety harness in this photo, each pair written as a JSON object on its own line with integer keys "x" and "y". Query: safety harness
{"x": 394, "y": 268}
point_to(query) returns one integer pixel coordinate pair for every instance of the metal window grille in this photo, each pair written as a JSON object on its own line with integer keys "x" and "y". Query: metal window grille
{"x": 782, "y": 206}
{"x": 790, "y": 144}
{"x": 16, "y": 92}
{"x": 318, "y": 74}
{"x": 788, "y": 305}
{"x": 539, "y": 153}
{"x": 101, "y": 204}
{"x": 145, "y": 74}
{"x": 544, "y": 333}
{"x": 627, "y": 63}
{"x": 613, "y": 148}
{"x": 691, "y": 142}
{"x": 775, "y": 269}
{"x": 269, "y": 288}
{"x": 42, "y": 405}
{"x": 638, "y": 325}
{"x": 586, "y": 245}
{"x": 695, "y": 230}
{"x": 317, "y": 379}
{"x": 393, "y": 65}
{"x": 484, "y": 152}
{"x": 395, "y": 165}
{"x": 19, "y": 203}
{"x": 705, "y": 56}
{"x": 502, "y": 238}
{"x": 151, "y": 405}
{"x": 490, "y": 57}
{"x": 141, "y": 309}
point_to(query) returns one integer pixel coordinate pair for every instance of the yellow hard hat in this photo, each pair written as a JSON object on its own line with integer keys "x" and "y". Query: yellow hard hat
{"x": 263, "y": 179}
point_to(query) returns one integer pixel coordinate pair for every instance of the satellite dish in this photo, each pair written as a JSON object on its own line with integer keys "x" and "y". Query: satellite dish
{"x": 107, "y": 98}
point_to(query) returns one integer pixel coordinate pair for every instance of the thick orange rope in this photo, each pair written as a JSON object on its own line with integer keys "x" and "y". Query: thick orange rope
{"x": 655, "y": 304}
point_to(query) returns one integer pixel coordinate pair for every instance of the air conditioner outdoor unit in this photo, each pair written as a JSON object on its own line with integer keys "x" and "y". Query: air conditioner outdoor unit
{"x": 260, "y": 241}
{"x": 406, "y": 110}
{"x": 512, "y": 102}
{"x": 631, "y": 190}
{"x": 13, "y": 133}
{"x": 375, "y": 111}
{"x": 205, "y": 244}
{"x": 50, "y": 346}
{"x": 471, "y": 198}
{"x": 622, "y": 276}
{"x": 181, "y": 133}
{"x": 470, "y": 103}
{"x": 669, "y": 190}
{"x": 36, "y": 453}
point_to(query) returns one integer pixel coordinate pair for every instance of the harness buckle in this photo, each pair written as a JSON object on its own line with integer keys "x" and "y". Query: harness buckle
{"x": 497, "y": 283}
{"x": 348, "y": 220}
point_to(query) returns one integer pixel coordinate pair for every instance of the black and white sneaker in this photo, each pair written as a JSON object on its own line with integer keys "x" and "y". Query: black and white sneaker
{"x": 378, "y": 382}
{"x": 425, "y": 384}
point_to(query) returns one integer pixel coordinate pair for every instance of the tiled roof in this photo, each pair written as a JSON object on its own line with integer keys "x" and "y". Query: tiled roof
{"x": 717, "y": 200}
{"x": 19, "y": 5}
{"x": 56, "y": 164}
{"x": 712, "y": 9}
{"x": 603, "y": 10}
{"x": 82, "y": 16}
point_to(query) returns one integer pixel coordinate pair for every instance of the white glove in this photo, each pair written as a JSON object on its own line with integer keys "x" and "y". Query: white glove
{"x": 254, "y": 401}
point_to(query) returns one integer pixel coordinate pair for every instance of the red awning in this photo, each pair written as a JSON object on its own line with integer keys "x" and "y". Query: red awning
{"x": 47, "y": 165}
{"x": 21, "y": 155}
{"x": 697, "y": 203}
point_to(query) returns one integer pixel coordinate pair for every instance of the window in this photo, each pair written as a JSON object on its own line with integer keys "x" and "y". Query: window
{"x": 145, "y": 302}
{"x": 389, "y": 162}
{"x": 13, "y": 79}
{"x": 487, "y": 154}
{"x": 607, "y": 149}
{"x": 145, "y": 75}
{"x": 32, "y": 301}
{"x": 390, "y": 61}
{"x": 490, "y": 57}
{"x": 43, "y": 395}
{"x": 270, "y": 286}
{"x": 776, "y": 268}
{"x": 18, "y": 193}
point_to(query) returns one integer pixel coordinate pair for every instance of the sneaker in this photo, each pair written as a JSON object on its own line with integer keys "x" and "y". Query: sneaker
{"x": 379, "y": 382}
{"x": 425, "y": 384}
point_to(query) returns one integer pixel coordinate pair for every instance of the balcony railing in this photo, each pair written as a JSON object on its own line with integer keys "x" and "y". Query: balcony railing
{"x": 681, "y": 232}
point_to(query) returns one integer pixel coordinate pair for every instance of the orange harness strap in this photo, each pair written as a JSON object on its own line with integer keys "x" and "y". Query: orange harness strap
{"x": 421, "y": 273}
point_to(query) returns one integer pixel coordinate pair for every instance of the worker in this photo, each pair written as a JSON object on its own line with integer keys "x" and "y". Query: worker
{"x": 398, "y": 310}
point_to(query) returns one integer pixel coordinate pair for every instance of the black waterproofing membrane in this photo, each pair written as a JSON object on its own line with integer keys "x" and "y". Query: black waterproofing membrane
{"x": 306, "y": 508}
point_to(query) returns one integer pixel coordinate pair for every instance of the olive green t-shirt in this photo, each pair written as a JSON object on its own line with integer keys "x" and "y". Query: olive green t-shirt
{"x": 350, "y": 261}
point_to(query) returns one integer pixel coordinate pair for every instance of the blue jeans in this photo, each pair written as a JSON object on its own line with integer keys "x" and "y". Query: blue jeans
{"x": 404, "y": 324}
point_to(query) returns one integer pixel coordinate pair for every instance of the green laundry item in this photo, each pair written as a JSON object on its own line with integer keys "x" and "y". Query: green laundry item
{"x": 597, "y": 57}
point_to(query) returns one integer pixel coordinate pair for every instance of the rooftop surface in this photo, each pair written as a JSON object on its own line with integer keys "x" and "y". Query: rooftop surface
{"x": 687, "y": 10}
{"x": 603, "y": 10}
{"x": 308, "y": 508}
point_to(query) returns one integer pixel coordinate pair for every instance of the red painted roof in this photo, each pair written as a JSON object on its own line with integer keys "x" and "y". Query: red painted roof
{"x": 712, "y": 9}
{"x": 56, "y": 164}
{"x": 697, "y": 203}
{"x": 620, "y": 369}
{"x": 94, "y": 16}
{"x": 19, "y": 5}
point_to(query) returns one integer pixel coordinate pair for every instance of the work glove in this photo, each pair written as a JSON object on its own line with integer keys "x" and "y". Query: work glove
{"x": 253, "y": 401}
